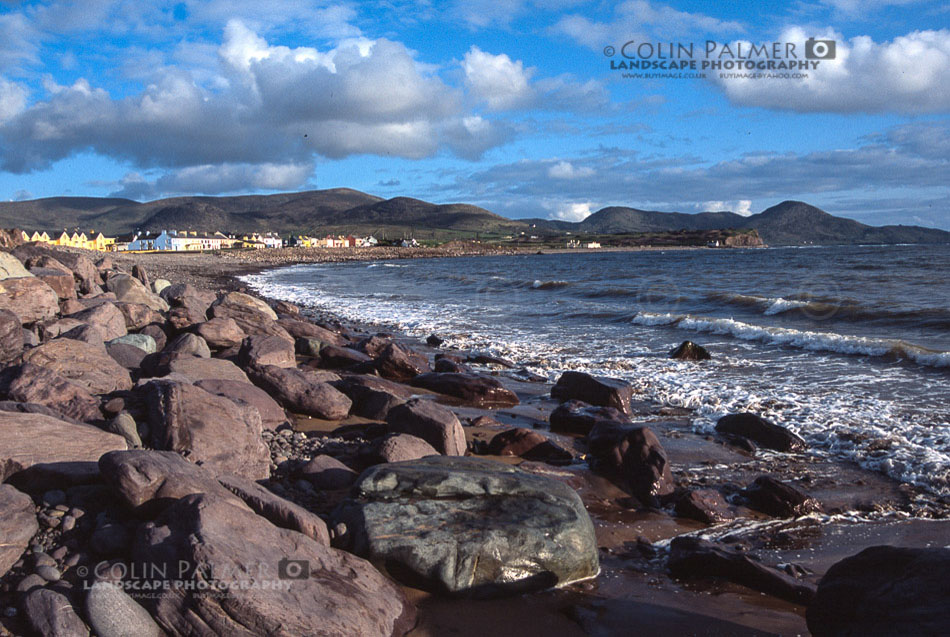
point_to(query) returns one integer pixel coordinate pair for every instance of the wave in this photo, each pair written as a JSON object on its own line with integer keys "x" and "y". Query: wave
{"x": 826, "y": 307}
{"x": 549, "y": 285}
{"x": 801, "y": 339}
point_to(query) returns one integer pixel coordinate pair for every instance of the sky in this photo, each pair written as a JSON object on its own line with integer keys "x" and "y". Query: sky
{"x": 523, "y": 107}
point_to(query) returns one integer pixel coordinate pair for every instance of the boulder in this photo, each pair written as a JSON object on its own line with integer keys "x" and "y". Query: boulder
{"x": 306, "y": 329}
{"x": 528, "y": 444}
{"x": 143, "y": 342}
{"x": 336, "y": 357}
{"x": 262, "y": 349}
{"x": 62, "y": 282}
{"x": 434, "y": 341}
{"x": 577, "y": 417}
{"x": 140, "y": 273}
{"x": 449, "y": 366}
{"x": 396, "y": 363}
{"x": 604, "y": 392}
{"x": 633, "y": 458}
{"x": 187, "y": 295}
{"x": 82, "y": 363}
{"x": 374, "y": 345}
{"x": 251, "y": 314}
{"x": 29, "y": 383}
{"x": 185, "y": 318}
{"x": 372, "y": 397}
{"x": 277, "y": 510}
{"x": 160, "y": 284}
{"x": 283, "y": 307}
{"x": 220, "y": 333}
{"x": 11, "y": 267}
{"x": 760, "y": 431}
{"x": 703, "y": 505}
{"x": 302, "y": 392}
{"x": 138, "y": 315}
{"x": 50, "y": 613}
{"x": 128, "y": 289}
{"x": 50, "y": 440}
{"x": 124, "y": 425}
{"x": 197, "y": 369}
{"x": 82, "y": 268}
{"x": 475, "y": 390}
{"x": 188, "y": 345}
{"x": 397, "y": 448}
{"x": 327, "y": 473}
{"x": 128, "y": 356}
{"x": 156, "y": 332}
{"x": 692, "y": 557}
{"x": 690, "y": 351}
{"x": 244, "y": 393}
{"x": 779, "y": 499}
{"x": 321, "y": 590}
{"x": 11, "y": 336}
{"x": 884, "y": 590}
{"x": 433, "y": 423}
{"x": 113, "y": 613}
{"x": 469, "y": 526}
{"x": 85, "y": 333}
{"x": 31, "y": 299}
{"x": 212, "y": 431}
{"x": 17, "y": 525}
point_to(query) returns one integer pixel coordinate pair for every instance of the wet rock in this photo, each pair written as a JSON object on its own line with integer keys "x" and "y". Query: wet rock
{"x": 884, "y": 590}
{"x": 397, "y": 448}
{"x": 335, "y": 357}
{"x": 472, "y": 389}
{"x": 694, "y": 557}
{"x": 433, "y": 423}
{"x": 17, "y": 525}
{"x": 11, "y": 336}
{"x": 396, "y": 363}
{"x": 760, "y": 431}
{"x": 690, "y": 351}
{"x": 302, "y": 392}
{"x": 492, "y": 361}
{"x": 113, "y": 613}
{"x": 434, "y": 341}
{"x": 578, "y": 417}
{"x": 244, "y": 393}
{"x": 780, "y": 499}
{"x": 31, "y": 299}
{"x": 85, "y": 364}
{"x": 130, "y": 290}
{"x": 449, "y": 366}
{"x": 327, "y": 473}
{"x": 470, "y": 526}
{"x": 528, "y": 444}
{"x": 29, "y": 383}
{"x": 330, "y": 591}
{"x": 633, "y": 458}
{"x": 263, "y": 349}
{"x": 604, "y": 392}
{"x": 213, "y": 431}
{"x": 221, "y": 333}
{"x": 704, "y": 505}
{"x": 276, "y": 509}
{"x": 51, "y": 614}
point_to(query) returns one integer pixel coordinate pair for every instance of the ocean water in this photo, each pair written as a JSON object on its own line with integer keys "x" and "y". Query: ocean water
{"x": 847, "y": 346}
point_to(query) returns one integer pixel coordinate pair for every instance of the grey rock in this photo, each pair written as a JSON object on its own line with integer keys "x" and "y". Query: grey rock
{"x": 113, "y": 613}
{"x": 433, "y": 423}
{"x": 142, "y": 341}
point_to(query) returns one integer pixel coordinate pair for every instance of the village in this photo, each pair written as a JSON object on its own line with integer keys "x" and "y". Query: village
{"x": 191, "y": 241}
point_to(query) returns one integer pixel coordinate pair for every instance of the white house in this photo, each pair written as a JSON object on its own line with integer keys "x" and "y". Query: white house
{"x": 175, "y": 241}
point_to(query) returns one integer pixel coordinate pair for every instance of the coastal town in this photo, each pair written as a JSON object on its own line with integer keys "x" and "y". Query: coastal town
{"x": 190, "y": 240}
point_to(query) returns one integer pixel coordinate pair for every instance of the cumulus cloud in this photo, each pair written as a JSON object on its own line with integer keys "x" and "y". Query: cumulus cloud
{"x": 215, "y": 179}
{"x": 567, "y": 170}
{"x": 12, "y": 99}
{"x": 571, "y": 212}
{"x": 909, "y": 74}
{"x": 742, "y": 207}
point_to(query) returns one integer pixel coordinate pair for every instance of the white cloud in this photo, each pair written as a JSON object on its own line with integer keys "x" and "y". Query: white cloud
{"x": 496, "y": 79}
{"x": 215, "y": 179}
{"x": 571, "y": 212}
{"x": 909, "y": 74}
{"x": 12, "y": 99}
{"x": 742, "y": 207}
{"x": 567, "y": 170}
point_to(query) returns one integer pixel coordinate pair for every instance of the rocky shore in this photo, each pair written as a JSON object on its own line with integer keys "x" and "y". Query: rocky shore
{"x": 181, "y": 457}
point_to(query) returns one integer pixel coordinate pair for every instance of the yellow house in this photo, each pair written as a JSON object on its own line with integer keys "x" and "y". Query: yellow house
{"x": 42, "y": 237}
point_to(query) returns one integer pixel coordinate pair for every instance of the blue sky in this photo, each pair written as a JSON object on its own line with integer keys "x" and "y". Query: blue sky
{"x": 510, "y": 104}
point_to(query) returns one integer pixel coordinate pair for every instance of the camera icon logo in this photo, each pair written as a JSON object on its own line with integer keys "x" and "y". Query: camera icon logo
{"x": 820, "y": 49}
{"x": 293, "y": 569}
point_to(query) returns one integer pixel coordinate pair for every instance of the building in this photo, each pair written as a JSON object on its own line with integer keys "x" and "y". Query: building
{"x": 175, "y": 241}
{"x": 592, "y": 245}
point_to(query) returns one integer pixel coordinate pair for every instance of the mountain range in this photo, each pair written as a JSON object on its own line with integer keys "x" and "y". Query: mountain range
{"x": 341, "y": 210}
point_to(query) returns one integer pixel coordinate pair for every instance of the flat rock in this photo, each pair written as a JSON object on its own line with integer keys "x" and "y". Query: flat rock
{"x": 265, "y": 349}
{"x": 213, "y": 431}
{"x": 85, "y": 364}
{"x": 472, "y": 389}
{"x": 470, "y": 526}
{"x": 704, "y": 505}
{"x": 336, "y": 357}
{"x": 62, "y": 283}
{"x": 338, "y": 593}
{"x": 29, "y": 383}
{"x": 604, "y": 392}
{"x": 17, "y": 525}
{"x": 884, "y": 590}
{"x": 221, "y": 333}
{"x": 302, "y": 392}
{"x": 251, "y": 314}
{"x": 306, "y": 329}
{"x": 244, "y": 393}
{"x": 433, "y": 423}
{"x": 31, "y": 299}
{"x": 11, "y": 267}
{"x": 197, "y": 369}
{"x": 760, "y": 431}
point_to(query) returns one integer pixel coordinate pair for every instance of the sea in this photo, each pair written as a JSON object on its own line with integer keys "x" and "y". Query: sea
{"x": 848, "y": 346}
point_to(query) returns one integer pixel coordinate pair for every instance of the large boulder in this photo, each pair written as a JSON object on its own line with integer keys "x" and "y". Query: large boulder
{"x": 578, "y": 417}
{"x": 244, "y": 393}
{"x": 128, "y": 289}
{"x": 336, "y": 357}
{"x": 31, "y": 299}
{"x": 760, "y": 431}
{"x": 113, "y": 613}
{"x": 49, "y": 612}
{"x": 17, "y": 525}
{"x": 476, "y": 390}
{"x": 106, "y": 317}
{"x": 397, "y": 448}
{"x": 396, "y": 363}
{"x": 373, "y": 397}
{"x": 277, "y": 510}
{"x": 528, "y": 444}
{"x": 187, "y": 295}
{"x": 82, "y": 363}
{"x": 28, "y": 439}
{"x": 633, "y": 458}
{"x": 62, "y": 282}
{"x": 605, "y": 392}
{"x": 251, "y": 314}
{"x": 138, "y": 315}
{"x": 778, "y": 498}
{"x": 11, "y": 336}
{"x": 213, "y": 431}
{"x": 11, "y": 267}
{"x": 220, "y": 333}
{"x": 264, "y": 349}
{"x": 310, "y": 589}
{"x": 433, "y": 423}
{"x": 29, "y": 383}
{"x": 470, "y": 526}
{"x": 302, "y": 392}
{"x": 196, "y": 369}
{"x": 306, "y": 329}
{"x": 884, "y": 590}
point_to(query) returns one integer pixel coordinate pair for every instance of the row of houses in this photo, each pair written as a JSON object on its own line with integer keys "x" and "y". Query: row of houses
{"x": 191, "y": 241}
{"x": 330, "y": 241}
{"x": 91, "y": 241}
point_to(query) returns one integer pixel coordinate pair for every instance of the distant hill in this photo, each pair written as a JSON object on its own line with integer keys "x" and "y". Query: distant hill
{"x": 343, "y": 210}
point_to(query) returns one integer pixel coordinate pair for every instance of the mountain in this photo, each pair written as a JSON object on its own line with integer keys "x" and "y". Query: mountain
{"x": 343, "y": 210}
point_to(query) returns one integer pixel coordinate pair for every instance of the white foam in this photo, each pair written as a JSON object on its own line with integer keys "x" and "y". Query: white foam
{"x": 777, "y": 306}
